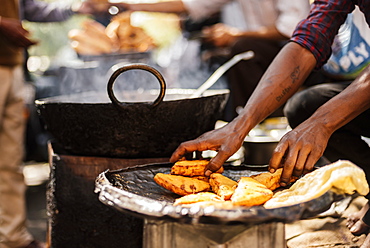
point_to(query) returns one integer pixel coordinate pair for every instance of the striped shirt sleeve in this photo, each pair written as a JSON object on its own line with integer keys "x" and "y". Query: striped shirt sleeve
{"x": 316, "y": 33}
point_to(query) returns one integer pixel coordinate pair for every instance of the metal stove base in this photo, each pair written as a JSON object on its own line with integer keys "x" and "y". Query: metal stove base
{"x": 76, "y": 218}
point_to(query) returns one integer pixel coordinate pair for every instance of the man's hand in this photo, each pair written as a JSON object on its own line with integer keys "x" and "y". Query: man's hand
{"x": 220, "y": 35}
{"x": 91, "y": 7}
{"x": 13, "y": 31}
{"x": 299, "y": 150}
{"x": 226, "y": 141}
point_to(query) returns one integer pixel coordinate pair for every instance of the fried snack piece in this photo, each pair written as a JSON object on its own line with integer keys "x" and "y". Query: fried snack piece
{"x": 84, "y": 49}
{"x": 225, "y": 192}
{"x": 127, "y": 37}
{"x": 215, "y": 204}
{"x": 96, "y": 30}
{"x": 222, "y": 186}
{"x": 202, "y": 178}
{"x": 181, "y": 185}
{"x": 250, "y": 192}
{"x": 191, "y": 168}
{"x": 89, "y": 39}
{"x": 270, "y": 180}
{"x": 199, "y": 197}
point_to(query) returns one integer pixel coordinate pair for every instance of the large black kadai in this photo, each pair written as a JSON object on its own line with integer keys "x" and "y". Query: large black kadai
{"x": 91, "y": 125}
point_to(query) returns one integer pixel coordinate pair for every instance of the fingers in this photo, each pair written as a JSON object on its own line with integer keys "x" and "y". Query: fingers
{"x": 207, "y": 34}
{"x": 23, "y": 42}
{"x": 295, "y": 160}
{"x": 311, "y": 160}
{"x": 289, "y": 165}
{"x": 213, "y": 34}
{"x": 277, "y": 158}
{"x": 27, "y": 42}
{"x": 359, "y": 228}
{"x": 216, "y": 163}
{"x": 295, "y": 165}
{"x": 300, "y": 164}
{"x": 180, "y": 152}
{"x": 20, "y": 38}
{"x": 187, "y": 148}
{"x": 198, "y": 146}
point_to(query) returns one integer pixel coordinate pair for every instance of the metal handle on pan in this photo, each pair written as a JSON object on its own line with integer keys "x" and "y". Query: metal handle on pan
{"x": 220, "y": 71}
{"x": 139, "y": 66}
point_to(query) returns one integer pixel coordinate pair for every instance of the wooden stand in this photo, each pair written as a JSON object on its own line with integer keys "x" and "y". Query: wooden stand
{"x": 162, "y": 234}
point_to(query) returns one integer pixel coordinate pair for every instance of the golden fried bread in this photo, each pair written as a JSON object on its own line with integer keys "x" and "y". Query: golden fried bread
{"x": 343, "y": 177}
{"x": 215, "y": 204}
{"x": 202, "y": 178}
{"x": 199, "y": 197}
{"x": 126, "y": 36}
{"x": 270, "y": 180}
{"x": 181, "y": 185}
{"x": 191, "y": 168}
{"x": 225, "y": 192}
{"x": 222, "y": 186}
{"x": 250, "y": 192}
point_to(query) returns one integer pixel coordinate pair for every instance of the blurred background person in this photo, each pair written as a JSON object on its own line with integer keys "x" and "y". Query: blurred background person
{"x": 14, "y": 39}
{"x": 260, "y": 26}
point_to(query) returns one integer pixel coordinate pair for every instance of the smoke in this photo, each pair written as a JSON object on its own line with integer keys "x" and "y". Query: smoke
{"x": 180, "y": 65}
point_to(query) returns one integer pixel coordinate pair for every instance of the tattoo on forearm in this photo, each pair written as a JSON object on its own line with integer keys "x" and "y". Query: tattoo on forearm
{"x": 283, "y": 93}
{"x": 294, "y": 76}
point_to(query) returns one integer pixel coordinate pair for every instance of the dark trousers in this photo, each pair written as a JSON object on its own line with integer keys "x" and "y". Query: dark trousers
{"x": 245, "y": 75}
{"x": 345, "y": 143}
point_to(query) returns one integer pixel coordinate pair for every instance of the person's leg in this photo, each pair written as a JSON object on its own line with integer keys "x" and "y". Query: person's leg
{"x": 359, "y": 222}
{"x": 13, "y": 232}
{"x": 245, "y": 75}
{"x": 304, "y": 103}
{"x": 356, "y": 222}
{"x": 366, "y": 243}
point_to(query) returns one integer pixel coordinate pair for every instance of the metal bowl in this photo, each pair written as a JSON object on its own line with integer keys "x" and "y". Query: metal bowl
{"x": 258, "y": 149}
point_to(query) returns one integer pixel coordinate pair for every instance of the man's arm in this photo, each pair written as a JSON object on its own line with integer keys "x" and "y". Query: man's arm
{"x": 222, "y": 35}
{"x": 12, "y": 30}
{"x": 41, "y": 11}
{"x": 290, "y": 14}
{"x": 282, "y": 79}
{"x": 299, "y": 149}
{"x": 175, "y": 6}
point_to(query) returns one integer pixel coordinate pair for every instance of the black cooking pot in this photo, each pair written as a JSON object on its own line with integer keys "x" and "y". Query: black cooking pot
{"x": 90, "y": 124}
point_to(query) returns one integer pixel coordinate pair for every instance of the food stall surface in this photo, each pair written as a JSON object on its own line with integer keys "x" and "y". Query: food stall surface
{"x": 329, "y": 231}
{"x": 322, "y": 231}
